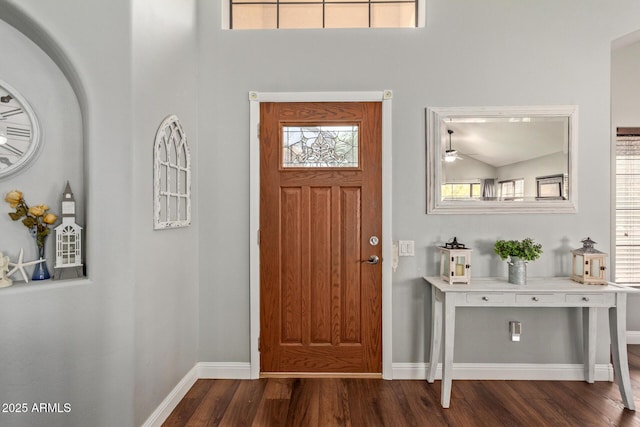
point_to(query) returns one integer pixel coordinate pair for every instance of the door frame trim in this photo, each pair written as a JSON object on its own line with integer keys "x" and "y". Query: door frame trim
{"x": 255, "y": 98}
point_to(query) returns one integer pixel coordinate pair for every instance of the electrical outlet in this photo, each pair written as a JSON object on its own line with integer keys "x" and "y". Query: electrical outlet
{"x": 515, "y": 329}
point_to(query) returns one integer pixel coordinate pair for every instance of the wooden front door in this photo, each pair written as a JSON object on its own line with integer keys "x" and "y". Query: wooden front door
{"x": 320, "y": 237}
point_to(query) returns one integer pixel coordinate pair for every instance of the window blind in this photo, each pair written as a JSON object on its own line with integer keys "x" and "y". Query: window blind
{"x": 627, "y": 209}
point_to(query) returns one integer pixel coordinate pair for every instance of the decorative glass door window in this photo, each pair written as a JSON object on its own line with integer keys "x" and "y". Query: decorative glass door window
{"x": 326, "y": 146}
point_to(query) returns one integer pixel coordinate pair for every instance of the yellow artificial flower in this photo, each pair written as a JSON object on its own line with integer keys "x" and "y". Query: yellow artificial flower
{"x": 35, "y": 218}
{"x": 37, "y": 210}
{"x": 13, "y": 198}
{"x": 49, "y": 218}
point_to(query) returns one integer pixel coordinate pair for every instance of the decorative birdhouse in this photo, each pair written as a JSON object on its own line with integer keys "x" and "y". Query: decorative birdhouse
{"x": 589, "y": 264}
{"x": 455, "y": 262}
{"x": 68, "y": 240}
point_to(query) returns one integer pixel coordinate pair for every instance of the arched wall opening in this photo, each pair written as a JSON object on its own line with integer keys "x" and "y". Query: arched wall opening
{"x": 37, "y": 67}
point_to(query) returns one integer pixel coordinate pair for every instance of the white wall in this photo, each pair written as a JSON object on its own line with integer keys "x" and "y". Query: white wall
{"x": 625, "y": 112}
{"x": 471, "y": 54}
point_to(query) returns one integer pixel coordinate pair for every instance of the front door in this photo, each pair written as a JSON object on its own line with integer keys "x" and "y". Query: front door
{"x": 320, "y": 237}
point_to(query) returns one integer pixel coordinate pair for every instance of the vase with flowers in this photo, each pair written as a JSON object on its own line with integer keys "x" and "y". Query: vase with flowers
{"x": 38, "y": 220}
{"x": 520, "y": 252}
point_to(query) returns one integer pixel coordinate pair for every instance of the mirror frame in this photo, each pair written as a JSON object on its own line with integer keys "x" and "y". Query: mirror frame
{"x": 436, "y": 116}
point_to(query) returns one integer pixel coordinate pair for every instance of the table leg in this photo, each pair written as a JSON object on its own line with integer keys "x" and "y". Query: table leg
{"x": 449, "y": 326}
{"x": 589, "y": 321}
{"x": 436, "y": 333}
{"x": 617, "y": 328}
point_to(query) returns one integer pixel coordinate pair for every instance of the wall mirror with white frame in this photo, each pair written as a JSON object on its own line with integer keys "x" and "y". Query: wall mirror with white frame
{"x": 502, "y": 159}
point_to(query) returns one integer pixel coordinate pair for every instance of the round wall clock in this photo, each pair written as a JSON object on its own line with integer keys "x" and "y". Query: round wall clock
{"x": 19, "y": 131}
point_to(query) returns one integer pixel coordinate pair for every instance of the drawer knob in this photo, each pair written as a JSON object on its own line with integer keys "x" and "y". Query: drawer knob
{"x": 585, "y": 299}
{"x": 485, "y": 298}
{"x": 535, "y": 299}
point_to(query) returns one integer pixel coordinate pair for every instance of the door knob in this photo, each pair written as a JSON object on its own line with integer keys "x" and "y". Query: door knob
{"x": 373, "y": 259}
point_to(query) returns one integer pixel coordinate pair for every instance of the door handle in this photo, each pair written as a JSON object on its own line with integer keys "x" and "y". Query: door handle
{"x": 373, "y": 259}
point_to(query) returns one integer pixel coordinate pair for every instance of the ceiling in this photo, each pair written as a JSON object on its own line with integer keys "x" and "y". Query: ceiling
{"x": 504, "y": 141}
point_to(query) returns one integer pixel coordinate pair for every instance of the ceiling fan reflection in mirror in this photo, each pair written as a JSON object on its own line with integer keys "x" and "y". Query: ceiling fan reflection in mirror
{"x": 451, "y": 155}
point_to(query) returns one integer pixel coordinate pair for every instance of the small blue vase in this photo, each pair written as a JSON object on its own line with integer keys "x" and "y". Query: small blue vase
{"x": 41, "y": 272}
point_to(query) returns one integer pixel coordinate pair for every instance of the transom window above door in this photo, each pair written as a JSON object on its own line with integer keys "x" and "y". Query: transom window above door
{"x": 254, "y": 14}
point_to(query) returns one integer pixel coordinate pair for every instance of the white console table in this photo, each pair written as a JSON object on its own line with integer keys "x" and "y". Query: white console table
{"x": 552, "y": 292}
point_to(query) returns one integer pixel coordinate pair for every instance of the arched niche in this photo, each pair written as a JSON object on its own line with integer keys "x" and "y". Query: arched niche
{"x": 38, "y": 68}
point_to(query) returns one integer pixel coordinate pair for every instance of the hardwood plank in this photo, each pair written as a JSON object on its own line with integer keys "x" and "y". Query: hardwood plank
{"x": 423, "y": 402}
{"x": 362, "y": 403}
{"x": 242, "y": 409}
{"x": 278, "y": 388}
{"x": 393, "y": 405}
{"x": 333, "y": 407}
{"x": 485, "y": 406}
{"x": 214, "y": 404}
{"x": 271, "y": 412}
{"x": 305, "y": 403}
{"x": 188, "y": 404}
{"x": 274, "y": 404}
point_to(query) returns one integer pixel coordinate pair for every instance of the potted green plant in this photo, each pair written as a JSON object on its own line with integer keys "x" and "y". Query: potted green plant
{"x": 519, "y": 252}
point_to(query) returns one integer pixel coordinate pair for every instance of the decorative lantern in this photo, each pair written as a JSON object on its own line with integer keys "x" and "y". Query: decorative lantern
{"x": 589, "y": 264}
{"x": 455, "y": 262}
{"x": 68, "y": 240}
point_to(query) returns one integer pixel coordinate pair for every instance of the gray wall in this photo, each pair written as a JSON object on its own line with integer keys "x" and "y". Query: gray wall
{"x": 625, "y": 112}
{"x": 115, "y": 345}
{"x": 165, "y": 262}
{"x": 68, "y": 342}
{"x": 470, "y": 54}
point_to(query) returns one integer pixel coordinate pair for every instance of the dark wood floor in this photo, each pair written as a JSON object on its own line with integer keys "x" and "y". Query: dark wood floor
{"x": 369, "y": 402}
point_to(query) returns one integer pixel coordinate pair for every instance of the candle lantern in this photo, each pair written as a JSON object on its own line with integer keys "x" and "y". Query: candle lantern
{"x": 589, "y": 264}
{"x": 455, "y": 262}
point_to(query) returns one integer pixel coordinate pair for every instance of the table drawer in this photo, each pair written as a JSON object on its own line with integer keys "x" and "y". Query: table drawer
{"x": 486, "y": 298}
{"x": 589, "y": 299}
{"x": 542, "y": 298}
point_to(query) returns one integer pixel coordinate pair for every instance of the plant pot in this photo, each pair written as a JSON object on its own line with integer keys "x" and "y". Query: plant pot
{"x": 517, "y": 271}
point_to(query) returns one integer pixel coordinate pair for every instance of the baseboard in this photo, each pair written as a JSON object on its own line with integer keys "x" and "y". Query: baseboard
{"x": 170, "y": 402}
{"x": 224, "y": 370}
{"x": 504, "y": 371}
{"x": 633, "y": 337}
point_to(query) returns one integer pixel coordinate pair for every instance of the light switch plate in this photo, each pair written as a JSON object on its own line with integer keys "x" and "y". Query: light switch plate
{"x": 406, "y": 248}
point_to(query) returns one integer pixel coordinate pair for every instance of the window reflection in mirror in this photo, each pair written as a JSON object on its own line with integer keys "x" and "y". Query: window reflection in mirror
{"x": 501, "y": 159}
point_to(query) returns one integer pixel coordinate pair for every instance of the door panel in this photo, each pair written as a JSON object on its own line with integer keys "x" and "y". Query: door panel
{"x": 320, "y": 305}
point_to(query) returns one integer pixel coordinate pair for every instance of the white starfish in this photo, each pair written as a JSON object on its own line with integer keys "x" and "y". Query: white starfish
{"x": 20, "y": 265}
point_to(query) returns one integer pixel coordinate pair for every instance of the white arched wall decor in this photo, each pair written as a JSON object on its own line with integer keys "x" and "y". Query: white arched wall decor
{"x": 172, "y": 176}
